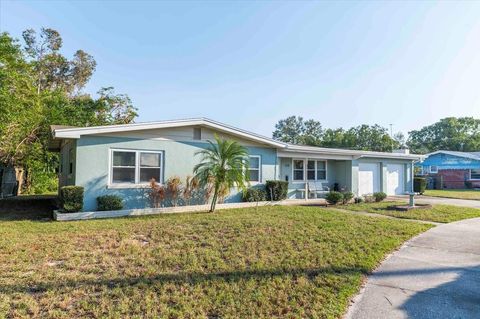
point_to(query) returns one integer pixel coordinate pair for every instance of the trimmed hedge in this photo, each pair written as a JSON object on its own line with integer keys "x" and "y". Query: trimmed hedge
{"x": 71, "y": 198}
{"x": 379, "y": 196}
{"x": 276, "y": 190}
{"x": 254, "y": 195}
{"x": 419, "y": 184}
{"x": 109, "y": 202}
{"x": 334, "y": 197}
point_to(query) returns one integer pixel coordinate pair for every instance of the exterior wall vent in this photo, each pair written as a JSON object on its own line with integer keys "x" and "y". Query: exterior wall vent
{"x": 197, "y": 133}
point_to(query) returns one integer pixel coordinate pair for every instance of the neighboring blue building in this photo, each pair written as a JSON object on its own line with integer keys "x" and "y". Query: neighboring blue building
{"x": 449, "y": 169}
{"x": 121, "y": 159}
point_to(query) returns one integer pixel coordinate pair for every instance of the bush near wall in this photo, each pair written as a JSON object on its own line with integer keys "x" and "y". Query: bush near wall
{"x": 255, "y": 195}
{"x": 379, "y": 196}
{"x": 71, "y": 198}
{"x": 334, "y": 197}
{"x": 109, "y": 202}
{"x": 276, "y": 190}
{"x": 419, "y": 184}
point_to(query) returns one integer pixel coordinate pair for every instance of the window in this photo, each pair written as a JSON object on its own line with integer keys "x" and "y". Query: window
{"x": 123, "y": 167}
{"x": 197, "y": 133}
{"x": 475, "y": 174}
{"x": 321, "y": 170}
{"x": 150, "y": 166}
{"x": 298, "y": 170}
{"x": 433, "y": 169}
{"x": 135, "y": 167}
{"x": 316, "y": 170}
{"x": 254, "y": 168}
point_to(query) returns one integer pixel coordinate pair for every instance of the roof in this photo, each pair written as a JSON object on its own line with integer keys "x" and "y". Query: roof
{"x": 470, "y": 155}
{"x": 60, "y": 132}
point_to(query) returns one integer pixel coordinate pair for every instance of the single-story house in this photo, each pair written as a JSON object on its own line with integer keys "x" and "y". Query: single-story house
{"x": 451, "y": 169}
{"x": 121, "y": 159}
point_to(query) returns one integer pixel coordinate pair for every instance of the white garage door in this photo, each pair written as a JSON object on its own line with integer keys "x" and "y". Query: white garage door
{"x": 395, "y": 179}
{"x": 368, "y": 178}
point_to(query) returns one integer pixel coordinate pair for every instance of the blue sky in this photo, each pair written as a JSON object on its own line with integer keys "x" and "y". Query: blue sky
{"x": 250, "y": 64}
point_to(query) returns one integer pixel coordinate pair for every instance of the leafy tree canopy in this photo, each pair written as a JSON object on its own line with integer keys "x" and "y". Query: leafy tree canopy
{"x": 451, "y": 134}
{"x": 364, "y": 137}
{"x": 39, "y": 87}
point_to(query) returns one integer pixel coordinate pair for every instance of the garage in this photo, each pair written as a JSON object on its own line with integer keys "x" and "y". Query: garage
{"x": 395, "y": 179}
{"x": 368, "y": 178}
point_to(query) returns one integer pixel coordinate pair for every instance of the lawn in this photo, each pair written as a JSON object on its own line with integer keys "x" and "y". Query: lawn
{"x": 438, "y": 213}
{"x": 453, "y": 193}
{"x": 295, "y": 262}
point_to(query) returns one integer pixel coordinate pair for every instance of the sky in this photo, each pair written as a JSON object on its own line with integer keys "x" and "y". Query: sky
{"x": 250, "y": 64}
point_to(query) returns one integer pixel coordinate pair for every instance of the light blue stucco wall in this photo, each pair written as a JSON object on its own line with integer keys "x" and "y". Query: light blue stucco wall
{"x": 92, "y": 166}
{"x": 447, "y": 161}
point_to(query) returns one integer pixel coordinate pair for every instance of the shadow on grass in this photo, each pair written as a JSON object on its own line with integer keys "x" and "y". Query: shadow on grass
{"x": 184, "y": 278}
{"x": 37, "y": 207}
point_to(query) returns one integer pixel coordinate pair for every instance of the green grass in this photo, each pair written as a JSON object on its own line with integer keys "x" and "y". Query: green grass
{"x": 295, "y": 262}
{"x": 453, "y": 193}
{"x": 438, "y": 213}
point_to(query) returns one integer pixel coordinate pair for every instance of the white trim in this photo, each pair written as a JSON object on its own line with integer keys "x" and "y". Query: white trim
{"x": 79, "y": 131}
{"x": 293, "y": 170}
{"x": 259, "y": 169}
{"x": 137, "y": 183}
{"x": 470, "y": 175}
{"x": 430, "y": 170}
{"x": 289, "y": 150}
{"x": 316, "y": 170}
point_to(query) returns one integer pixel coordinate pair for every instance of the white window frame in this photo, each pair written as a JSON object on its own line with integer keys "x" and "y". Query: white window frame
{"x": 433, "y": 171}
{"x": 259, "y": 169}
{"x": 137, "y": 183}
{"x": 305, "y": 169}
{"x": 293, "y": 170}
{"x": 473, "y": 179}
{"x": 316, "y": 170}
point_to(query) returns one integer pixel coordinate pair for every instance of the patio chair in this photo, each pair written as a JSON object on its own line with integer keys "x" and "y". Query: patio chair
{"x": 317, "y": 188}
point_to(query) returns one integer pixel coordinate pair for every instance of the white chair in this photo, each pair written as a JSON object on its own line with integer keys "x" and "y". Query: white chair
{"x": 316, "y": 188}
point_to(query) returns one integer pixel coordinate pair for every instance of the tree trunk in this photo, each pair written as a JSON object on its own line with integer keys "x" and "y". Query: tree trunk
{"x": 214, "y": 200}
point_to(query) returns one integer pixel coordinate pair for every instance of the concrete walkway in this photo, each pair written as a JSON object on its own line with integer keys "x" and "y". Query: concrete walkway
{"x": 435, "y": 275}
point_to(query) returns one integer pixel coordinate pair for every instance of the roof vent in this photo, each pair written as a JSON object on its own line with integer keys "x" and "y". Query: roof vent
{"x": 405, "y": 151}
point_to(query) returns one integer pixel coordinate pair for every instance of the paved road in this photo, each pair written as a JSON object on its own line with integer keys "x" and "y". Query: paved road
{"x": 435, "y": 275}
{"x": 440, "y": 200}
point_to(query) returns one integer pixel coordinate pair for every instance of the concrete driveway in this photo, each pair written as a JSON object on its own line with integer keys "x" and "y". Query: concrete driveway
{"x": 442, "y": 201}
{"x": 435, "y": 275}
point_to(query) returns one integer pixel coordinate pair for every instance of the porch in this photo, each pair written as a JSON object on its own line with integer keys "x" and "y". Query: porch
{"x": 312, "y": 177}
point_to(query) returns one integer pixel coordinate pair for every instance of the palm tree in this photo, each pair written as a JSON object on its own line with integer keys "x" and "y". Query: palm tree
{"x": 226, "y": 163}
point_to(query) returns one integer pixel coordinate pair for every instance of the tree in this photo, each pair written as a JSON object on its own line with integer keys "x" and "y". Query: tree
{"x": 451, "y": 134}
{"x": 40, "y": 87}
{"x": 295, "y": 130}
{"x": 53, "y": 70}
{"x": 225, "y": 163}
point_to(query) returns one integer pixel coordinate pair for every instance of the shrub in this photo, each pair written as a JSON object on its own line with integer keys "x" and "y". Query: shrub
{"x": 276, "y": 190}
{"x": 419, "y": 184}
{"x": 109, "y": 202}
{"x": 468, "y": 184}
{"x": 359, "y": 200}
{"x": 334, "y": 197}
{"x": 71, "y": 198}
{"x": 379, "y": 196}
{"x": 254, "y": 195}
{"x": 347, "y": 197}
{"x": 368, "y": 198}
